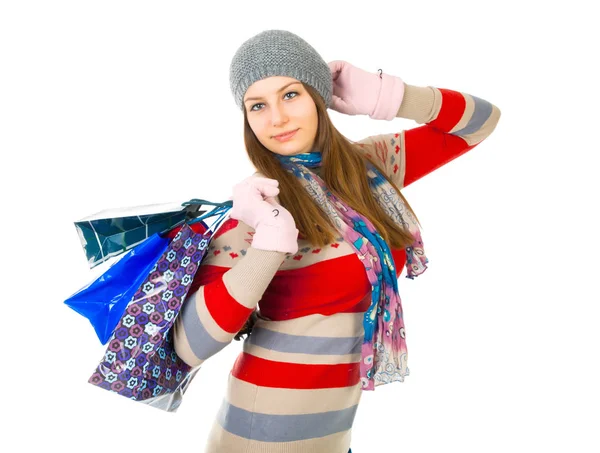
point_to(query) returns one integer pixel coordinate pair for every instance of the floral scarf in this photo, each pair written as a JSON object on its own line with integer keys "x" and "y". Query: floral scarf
{"x": 384, "y": 353}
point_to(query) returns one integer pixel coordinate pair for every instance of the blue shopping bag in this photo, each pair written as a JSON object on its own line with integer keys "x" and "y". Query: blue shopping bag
{"x": 104, "y": 300}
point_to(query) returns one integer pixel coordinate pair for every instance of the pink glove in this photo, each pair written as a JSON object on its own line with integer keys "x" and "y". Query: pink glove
{"x": 358, "y": 92}
{"x": 253, "y": 204}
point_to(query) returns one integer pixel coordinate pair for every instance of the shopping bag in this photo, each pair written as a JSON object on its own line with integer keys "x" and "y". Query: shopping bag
{"x": 110, "y": 232}
{"x": 140, "y": 361}
{"x": 104, "y": 300}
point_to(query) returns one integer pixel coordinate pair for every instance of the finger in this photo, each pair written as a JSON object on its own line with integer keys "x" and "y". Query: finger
{"x": 338, "y": 88}
{"x": 340, "y": 105}
{"x": 336, "y": 67}
{"x": 270, "y": 181}
{"x": 263, "y": 182}
{"x": 267, "y": 190}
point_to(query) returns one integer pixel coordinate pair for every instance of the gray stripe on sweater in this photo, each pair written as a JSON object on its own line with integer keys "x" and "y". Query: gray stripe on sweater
{"x": 203, "y": 345}
{"x": 283, "y": 428}
{"x": 303, "y": 344}
{"x": 481, "y": 112}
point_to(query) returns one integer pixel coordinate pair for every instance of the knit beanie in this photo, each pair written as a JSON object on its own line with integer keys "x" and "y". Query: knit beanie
{"x": 278, "y": 53}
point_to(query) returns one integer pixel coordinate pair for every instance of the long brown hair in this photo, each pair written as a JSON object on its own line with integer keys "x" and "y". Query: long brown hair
{"x": 345, "y": 173}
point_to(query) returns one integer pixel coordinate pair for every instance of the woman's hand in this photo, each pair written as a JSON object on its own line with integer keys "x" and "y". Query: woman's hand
{"x": 250, "y": 203}
{"x": 358, "y": 92}
{"x": 254, "y": 204}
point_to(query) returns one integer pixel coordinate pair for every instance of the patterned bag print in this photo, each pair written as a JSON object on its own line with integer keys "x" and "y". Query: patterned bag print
{"x": 140, "y": 362}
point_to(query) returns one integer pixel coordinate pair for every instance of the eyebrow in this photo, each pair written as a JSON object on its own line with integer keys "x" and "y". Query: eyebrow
{"x": 278, "y": 91}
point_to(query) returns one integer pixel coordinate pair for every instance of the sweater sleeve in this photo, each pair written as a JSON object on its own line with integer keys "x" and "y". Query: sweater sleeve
{"x": 454, "y": 123}
{"x": 220, "y": 302}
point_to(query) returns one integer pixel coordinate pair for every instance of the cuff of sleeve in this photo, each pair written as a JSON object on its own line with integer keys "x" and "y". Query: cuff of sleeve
{"x": 275, "y": 238}
{"x": 421, "y": 104}
{"x": 390, "y": 98}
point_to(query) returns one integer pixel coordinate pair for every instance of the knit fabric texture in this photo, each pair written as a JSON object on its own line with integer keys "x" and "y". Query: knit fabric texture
{"x": 295, "y": 387}
{"x": 278, "y": 53}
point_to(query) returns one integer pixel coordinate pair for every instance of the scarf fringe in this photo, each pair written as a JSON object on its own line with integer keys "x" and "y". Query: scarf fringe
{"x": 416, "y": 261}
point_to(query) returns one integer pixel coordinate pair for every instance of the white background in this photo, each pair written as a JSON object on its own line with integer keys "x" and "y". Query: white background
{"x": 124, "y": 103}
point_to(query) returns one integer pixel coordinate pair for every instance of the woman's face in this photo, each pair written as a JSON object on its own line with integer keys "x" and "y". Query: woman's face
{"x": 279, "y": 104}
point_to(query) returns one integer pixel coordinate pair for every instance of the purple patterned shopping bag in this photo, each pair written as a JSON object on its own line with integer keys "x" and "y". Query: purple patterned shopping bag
{"x": 140, "y": 362}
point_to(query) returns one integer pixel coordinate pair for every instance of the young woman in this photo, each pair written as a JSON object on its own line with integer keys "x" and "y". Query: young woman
{"x": 319, "y": 236}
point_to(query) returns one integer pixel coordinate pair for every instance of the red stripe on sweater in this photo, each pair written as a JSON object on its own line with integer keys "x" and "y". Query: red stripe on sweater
{"x": 441, "y": 146}
{"x": 206, "y": 275}
{"x": 451, "y": 111}
{"x": 338, "y": 285}
{"x": 227, "y": 312}
{"x": 268, "y": 373}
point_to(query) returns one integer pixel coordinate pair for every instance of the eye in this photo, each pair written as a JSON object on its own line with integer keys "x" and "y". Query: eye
{"x": 289, "y": 92}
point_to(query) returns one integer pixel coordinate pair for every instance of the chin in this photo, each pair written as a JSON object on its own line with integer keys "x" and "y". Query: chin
{"x": 293, "y": 152}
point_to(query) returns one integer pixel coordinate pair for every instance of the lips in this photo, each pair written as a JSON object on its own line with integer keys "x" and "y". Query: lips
{"x": 285, "y": 135}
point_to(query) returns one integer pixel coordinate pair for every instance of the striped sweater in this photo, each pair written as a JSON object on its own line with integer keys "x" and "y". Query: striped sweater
{"x": 295, "y": 386}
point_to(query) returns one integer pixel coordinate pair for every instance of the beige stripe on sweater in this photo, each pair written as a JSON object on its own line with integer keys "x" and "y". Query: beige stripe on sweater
{"x": 281, "y": 401}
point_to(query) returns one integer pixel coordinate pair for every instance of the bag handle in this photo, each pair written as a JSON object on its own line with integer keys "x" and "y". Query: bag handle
{"x": 216, "y": 211}
{"x": 218, "y": 222}
{"x": 220, "y": 209}
{"x": 201, "y": 202}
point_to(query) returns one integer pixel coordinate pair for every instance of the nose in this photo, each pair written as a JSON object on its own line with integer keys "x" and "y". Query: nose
{"x": 278, "y": 116}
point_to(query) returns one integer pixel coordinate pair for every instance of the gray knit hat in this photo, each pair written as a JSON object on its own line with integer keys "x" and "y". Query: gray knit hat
{"x": 278, "y": 53}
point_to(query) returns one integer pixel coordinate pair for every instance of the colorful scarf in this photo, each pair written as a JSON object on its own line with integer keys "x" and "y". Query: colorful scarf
{"x": 384, "y": 353}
